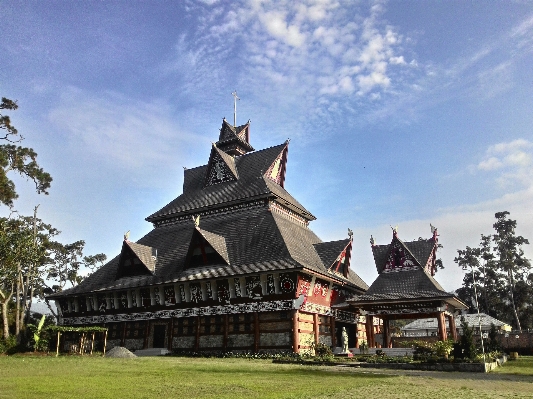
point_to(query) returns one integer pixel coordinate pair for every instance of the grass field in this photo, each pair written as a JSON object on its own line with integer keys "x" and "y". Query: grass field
{"x": 169, "y": 377}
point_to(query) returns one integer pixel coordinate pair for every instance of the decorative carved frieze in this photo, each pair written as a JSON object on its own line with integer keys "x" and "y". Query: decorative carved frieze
{"x": 218, "y": 211}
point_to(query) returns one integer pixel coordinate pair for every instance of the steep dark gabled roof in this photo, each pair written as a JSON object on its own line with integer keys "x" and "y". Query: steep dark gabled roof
{"x": 228, "y": 160}
{"x": 256, "y": 240}
{"x": 250, "y": 185}
{"x": 399, "y": 283}
{"x": 420, "y": 249}
{"x": 231, "y": 135}
{"x": 144, "y": 253}
{"x": 328, "y": 253}
{"x": 406, "y": 284}
{"x": 217, "y": 242}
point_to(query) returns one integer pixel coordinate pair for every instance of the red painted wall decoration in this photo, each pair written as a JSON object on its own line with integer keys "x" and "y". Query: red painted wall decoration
{"x": 304, "y": 283}
{"x": 320, "y": 293}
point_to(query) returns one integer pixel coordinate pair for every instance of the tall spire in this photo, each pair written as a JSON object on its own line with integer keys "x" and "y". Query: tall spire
{"x": 235, "y": 98}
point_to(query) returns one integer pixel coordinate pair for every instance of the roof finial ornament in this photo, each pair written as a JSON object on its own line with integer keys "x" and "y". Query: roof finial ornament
{"x": 394, "y": 230}
{"x": 350, "y": 233}
{"x": 196, "y": 220}
{"x": 372, "y": 241}
{"x": 127, "y": 236}
{"x": 235, "y": 98}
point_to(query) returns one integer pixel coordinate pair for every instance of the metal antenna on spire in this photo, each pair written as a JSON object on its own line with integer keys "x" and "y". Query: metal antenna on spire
{"x": 235, "y": 98}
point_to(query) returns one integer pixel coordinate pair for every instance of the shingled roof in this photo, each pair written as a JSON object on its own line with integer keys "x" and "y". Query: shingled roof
{"x": 252, "y": 223}
{"x": 419, "y": 249}
{"x": 410, "y": 281}
{"x": 250, "y": 185}
{"x": 256, "y": 240}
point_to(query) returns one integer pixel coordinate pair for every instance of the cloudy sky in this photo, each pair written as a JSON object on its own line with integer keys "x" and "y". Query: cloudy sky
{"x": 399, "y": 113}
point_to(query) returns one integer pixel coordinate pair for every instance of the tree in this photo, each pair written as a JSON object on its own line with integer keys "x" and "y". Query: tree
{"x": 64, "y": 267}
{"x": 24, "y": 242}
{"x": 501, "y": 274}
{"x": 18, "y": 159}
{"x": 509, "y": 255}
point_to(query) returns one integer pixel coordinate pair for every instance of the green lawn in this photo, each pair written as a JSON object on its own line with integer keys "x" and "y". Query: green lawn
{"x": 169, "y": 377}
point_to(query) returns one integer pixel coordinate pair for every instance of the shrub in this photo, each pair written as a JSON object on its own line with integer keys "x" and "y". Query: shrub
{"x": 493, "y": 344}
{"x": 468, "y": 346}
{"x": 8, "y": 345}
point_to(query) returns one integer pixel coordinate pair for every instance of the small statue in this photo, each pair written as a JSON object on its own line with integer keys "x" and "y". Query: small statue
{"x": 344, "y": 340}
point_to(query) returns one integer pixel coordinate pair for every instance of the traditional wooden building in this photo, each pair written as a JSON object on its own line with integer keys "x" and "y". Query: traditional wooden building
{"x": 406, "y": 288}
{"x": 230, "y": 265}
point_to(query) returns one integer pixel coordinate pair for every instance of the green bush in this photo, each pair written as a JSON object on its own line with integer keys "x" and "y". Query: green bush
{"x": 8, "y": 345}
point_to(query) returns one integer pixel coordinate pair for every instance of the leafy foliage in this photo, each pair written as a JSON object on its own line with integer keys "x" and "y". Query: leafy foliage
{"x": 467, "y": 347}
{"x": 501, "y": 275}
{"x": 18, "y": 159}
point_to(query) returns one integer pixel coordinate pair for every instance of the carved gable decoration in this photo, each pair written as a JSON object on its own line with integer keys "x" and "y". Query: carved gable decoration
{"x": 136, "y": 260}
{"x": 206, "y": 248}
{"x": 400, "y": 258}
{"x": 276, "y": 171}
{"x": 221, "y": 168}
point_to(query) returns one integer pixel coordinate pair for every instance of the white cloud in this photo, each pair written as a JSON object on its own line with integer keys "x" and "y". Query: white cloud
{"x": 515, "y": 157}
{"x": 276, "y": 24}
{"x": 305, "y": 50}
{"x": 491, "y": 163}
{"x": 397, "y": 60}
{"x": 130, "y": 135}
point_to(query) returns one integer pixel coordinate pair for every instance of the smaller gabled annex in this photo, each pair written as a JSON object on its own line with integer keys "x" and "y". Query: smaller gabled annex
{"x": 406, "y": 288}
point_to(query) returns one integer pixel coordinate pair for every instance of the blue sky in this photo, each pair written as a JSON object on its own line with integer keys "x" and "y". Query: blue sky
{"x": 399, "y": 113}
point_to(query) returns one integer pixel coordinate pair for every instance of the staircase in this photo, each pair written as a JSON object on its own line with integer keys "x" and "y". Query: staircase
{"x": 391, "y": 352}
{"x": 152, "y": 352}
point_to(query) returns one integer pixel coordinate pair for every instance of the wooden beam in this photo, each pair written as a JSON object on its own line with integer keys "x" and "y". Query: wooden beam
{"x": 256, "y": 332}
{"x": 171, "y": 334}
{"x": 370, "y": 331}
{"x": 226, "y": 332}
{"x": 105, "y": 341}
{"x": 315, "y": 328}
{"x": 332, "y": 327}
{"x": 92, "y": 343}
{"x": 123, "y": 337}
{"x": 441, "y": 326}
{"x": 295, "y": 334}
{"x": 197, "y": 340}
{"x": 57, "y": 347}
{"x": 386, "y": 333}
{"x": 453, "y": 327}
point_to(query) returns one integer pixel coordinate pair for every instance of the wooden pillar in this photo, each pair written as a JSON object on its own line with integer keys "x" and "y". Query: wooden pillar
{"x": 170, "y": 334}
{"x": 146, "y": 334}
{"x": 105, "y": 341}
{"x": 256, "y": 332}
{"x": 442, "y": 326}
{"x": 332, "y": 327}
{"x": 226, "y": 331}
{"x": 197, "y": 339}
{"x": 370, "y": 331}
{"x": 92, "y": 343}
{"x": 123, "y": 335}
{"x": 386, "y": 334}
{"x": 57, "y": 347}
{"x": 453, "y": 327}
{"x": 315, "y": 328}
{"x": 295, "y": 333}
